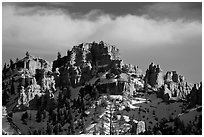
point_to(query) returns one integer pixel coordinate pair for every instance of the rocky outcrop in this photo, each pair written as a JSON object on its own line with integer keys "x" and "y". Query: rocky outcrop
{"x": 30, "y": 76}
{"x": 175, "y": 86}
{"x": 154, "y": 76}
{"x": 84, "y": 61}
{"x": 74, "y": 83}
{"x": 33, "y": 76}
{"x": 133, "y": 69}
{"x": 172, "y": 76}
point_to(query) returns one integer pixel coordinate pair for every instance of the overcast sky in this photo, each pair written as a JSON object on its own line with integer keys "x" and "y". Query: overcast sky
{"x": 169, "y": 34}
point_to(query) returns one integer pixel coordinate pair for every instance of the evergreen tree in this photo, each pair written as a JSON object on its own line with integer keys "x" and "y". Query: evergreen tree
{"x": 12, "y": 86}
{"x": 95, "y": 131}
{"x": 102, "y": 130}
{"x": 5, "y": 98}
{"x": 111, "y": 128}
{"x": 4, "y": 69}
{"x": 17, "y": 59}
{"x": 58, "y": 55}
{"x": 24, "y": 117}
{"x": 68, "y": 92}
{"x": 49, "y": 129}
{"x": 70, "y": 119}
{"x": 27, "y": 54}
{"x": 11, "y": 63}
{"x": 38, "y": 116}
{"x": 68, "y": 52}
{"x": 60, "y": 101}
{"x": 56, "y": 130}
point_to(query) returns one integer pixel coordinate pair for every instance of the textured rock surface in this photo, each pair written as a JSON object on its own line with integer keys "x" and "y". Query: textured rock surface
{"x": 91, "y": 80}
{"x": 172, "y": 76}
{"x": 84, "y": 61}
{"x": 176, "y": 83}
{"x": 154, "y": 76}
{"x": 29, "y": 77}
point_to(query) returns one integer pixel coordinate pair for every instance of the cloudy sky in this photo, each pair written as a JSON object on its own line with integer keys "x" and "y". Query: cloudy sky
{"x": 169, "y": 34}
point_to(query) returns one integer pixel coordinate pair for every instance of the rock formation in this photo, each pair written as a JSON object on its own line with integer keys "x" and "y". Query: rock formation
{"x": 85, "y": 61}
{"x": 172, "y": 76}
{"x": 27, "y": 78}
{"x": 154, "y": 76}
{"x": 69, "y": 87}
{"x": 177, "y": 85}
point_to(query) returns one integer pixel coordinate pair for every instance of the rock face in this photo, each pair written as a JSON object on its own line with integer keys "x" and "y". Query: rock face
{"x": 84, "y": 61}
{"x": 27, "y": 77}
{"x": 154, "y": 76}
{"x": 172, "y": 76}
{"x": 173, "y": 85}
{"x": 74, "y": 84}
{"x": 176, "y": 86}
{"x": 32, "y": 76}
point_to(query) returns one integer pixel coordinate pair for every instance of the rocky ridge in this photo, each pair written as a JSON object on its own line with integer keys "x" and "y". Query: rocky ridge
{"x": 88, "y": 71}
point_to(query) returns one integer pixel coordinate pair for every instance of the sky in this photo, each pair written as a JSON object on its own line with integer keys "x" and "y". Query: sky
{"x": 168, "y": 34}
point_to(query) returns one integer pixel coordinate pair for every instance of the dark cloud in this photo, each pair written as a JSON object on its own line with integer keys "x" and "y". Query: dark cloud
{"x": 174, "y": 11}
{"x": 144, "y": 32}
{"x": 155, "y": 10}
{"x": 40, "y": 4}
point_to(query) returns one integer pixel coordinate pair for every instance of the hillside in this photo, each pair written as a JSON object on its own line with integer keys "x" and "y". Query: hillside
{"x": 92, "y": 91}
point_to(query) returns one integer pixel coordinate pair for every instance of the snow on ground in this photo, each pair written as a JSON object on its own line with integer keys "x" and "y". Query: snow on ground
{"x": 155, "y": 111}
{"x": 105, "y": 81}
{"x": 137, "y": 101}
{"x": 131, "y": 106}
{"x": 107, "y": 115}
{"x": 120, "y": 97}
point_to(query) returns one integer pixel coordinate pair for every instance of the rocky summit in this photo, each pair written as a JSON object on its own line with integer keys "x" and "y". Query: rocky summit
{"x": 92, "y": 91}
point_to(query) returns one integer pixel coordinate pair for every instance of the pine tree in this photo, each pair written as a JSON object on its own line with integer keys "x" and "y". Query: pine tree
{"x": 27, "y": 54}
{"x": 68, "y": 52}
{"x": 24, "y": 116}
{"x": 68, "y": 92}
{"x": 12, "y": 87}
{"x": 60, "y": 103}
{"x": 58, "y": 55}
{"x": 70, "y": 118}
{"x": 102, "y": 129}
{"x": 95, "y": 131}
{"x": 17, "y": 59}
{"x": 5, "y": 98}
{"x": 38, "y": 116}
{"x": 11, "y": 63}
{"x": 4, "y": 69}
{"x": 111, "y": 129}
